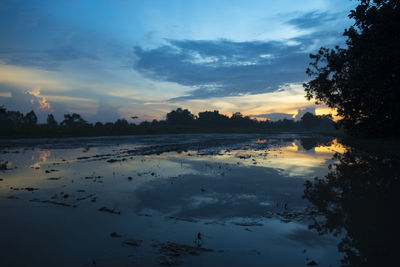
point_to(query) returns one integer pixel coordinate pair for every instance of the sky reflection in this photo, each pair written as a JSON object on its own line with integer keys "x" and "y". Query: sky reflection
{"x": 243, "y": 195}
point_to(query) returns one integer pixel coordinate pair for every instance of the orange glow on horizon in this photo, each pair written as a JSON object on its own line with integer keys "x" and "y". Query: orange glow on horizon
{"x": 325, "y": 110}
{"x": 259, "y": 119}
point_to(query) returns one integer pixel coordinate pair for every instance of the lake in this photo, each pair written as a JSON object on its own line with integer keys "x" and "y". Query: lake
{"x": 195, "y": 200}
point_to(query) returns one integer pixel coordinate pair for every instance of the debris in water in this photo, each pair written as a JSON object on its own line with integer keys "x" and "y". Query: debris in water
{"x": 3, "y": 165}
{"x": 198, "y": 241}
{"x": 31, "y": 188}
{"x": 248, "y": 223}
{"x": 52, "y": 170}
{"x": 53, "y": 202}
{"x": 83, "y": 198}
{"x": 135, "y": 242}
{"x": 93, "y": 177}
{"x": 312, "y": 263}
{"x": 170, "y": 252}
{"x": 105, "y": 209}
{"x": 181, "y": 219}
{"x": 144, "y": 214}
{"x": 115, "y": 235}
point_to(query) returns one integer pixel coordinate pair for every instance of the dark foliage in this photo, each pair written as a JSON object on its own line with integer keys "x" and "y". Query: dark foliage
{"x": 121, "y": 123}
{"x": 30, "y": 118}
{"x": 11, "y": 118}
{"x": 362, "y": 81}
{"x": 180, "y": 117}
{"x": 51, "y": 121}
{"x": 310, "y": 121}
{"x": 359, "y": 199}
{"x": 212, "y": 119}
{"x": 312, "y": 142}
{"x": 73, "y": 120}
{"x": 178, "y": 121}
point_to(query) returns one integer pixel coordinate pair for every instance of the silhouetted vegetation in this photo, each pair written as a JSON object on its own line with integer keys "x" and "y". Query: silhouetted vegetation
{"x": 73, "y": 120}
{"x": 51, "y": 121}
{"x": 180, "y": 117}
{"x": 358, "y": 200}
{"x": 309, "y": 143}
{"x": 362, "y": 81}
{"x": 177, "y": 121}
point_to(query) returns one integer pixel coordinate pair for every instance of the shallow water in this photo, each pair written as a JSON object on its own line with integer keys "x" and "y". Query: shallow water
{"x": 191, "y": 200}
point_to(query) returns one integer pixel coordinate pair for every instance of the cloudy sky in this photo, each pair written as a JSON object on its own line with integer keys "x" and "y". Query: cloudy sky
{"x": 110, "y": 59}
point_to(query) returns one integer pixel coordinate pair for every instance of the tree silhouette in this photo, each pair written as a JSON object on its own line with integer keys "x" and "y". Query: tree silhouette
{"x": 362, "y": 81}
{"x": 212, "y": 119}
{"x": 238, "y": 120}
{"x": 178, "y": 121}
{"x": 180, "y": 117}
{"x": 309, "y": 120}
{"x": 30, "y": 118}
{"x": 51, "y": 121}
{"x": 73, "y": 119}
{"x": 14, "y": 118}
{"x": 121, "y": 123}
{"x": 3, "y": 115}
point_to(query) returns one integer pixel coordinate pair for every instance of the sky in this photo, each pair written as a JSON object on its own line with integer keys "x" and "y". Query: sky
{"x": 112, "y": 59}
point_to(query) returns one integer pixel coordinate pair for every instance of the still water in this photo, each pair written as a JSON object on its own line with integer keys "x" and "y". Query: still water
{"x": 189, "y": 200}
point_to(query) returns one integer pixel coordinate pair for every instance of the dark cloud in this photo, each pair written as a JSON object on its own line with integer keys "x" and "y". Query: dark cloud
{"x": 30, "y": 37}
{"x": 313, "y": 19}
{"x": 215, "y": 68}
{"x": 49, "y": 59}
{"x": 222, "y": 67}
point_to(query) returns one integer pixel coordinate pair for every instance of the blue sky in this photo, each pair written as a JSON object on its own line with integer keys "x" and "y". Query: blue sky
{"x": 116, "y": 58}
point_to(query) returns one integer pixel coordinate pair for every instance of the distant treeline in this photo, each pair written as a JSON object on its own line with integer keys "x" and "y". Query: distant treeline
{"x": 16, "y": 124}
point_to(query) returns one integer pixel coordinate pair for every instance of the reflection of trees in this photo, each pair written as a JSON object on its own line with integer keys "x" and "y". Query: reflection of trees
{"x": 310, "y": 143}
{"x": 359, "y": 198}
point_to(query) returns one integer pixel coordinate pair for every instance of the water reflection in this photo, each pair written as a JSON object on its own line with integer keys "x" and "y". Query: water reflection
{"x": 359, "y": 199}
{"x": 300, "y": 158}
{"x": 44, "y": 155}
{"x": 242, "y": 193}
